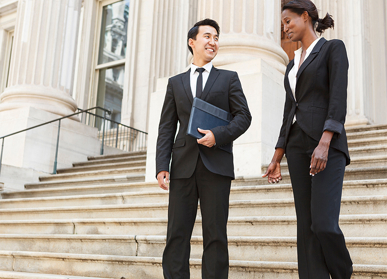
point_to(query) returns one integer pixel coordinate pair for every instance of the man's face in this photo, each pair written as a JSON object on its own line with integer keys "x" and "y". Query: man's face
{"x": 206, "y": 45}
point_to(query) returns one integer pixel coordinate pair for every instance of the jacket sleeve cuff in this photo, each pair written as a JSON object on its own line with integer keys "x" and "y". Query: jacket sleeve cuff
{"x": 280, "y": 143}
{"x": 160, "y": 169}
{"x": 217, "y": 131}
{"x": 333, "y": 126}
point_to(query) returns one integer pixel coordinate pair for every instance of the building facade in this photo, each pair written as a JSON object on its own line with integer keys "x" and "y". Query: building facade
{"x": 57, "y": 56}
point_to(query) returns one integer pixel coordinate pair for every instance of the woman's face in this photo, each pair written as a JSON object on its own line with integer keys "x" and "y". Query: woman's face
{"x": 294, "y": 24}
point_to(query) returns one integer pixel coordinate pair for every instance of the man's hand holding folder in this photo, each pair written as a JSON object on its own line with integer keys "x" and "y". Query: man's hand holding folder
{"x": 208, "y": 139}
{"x": 207, "y": 116}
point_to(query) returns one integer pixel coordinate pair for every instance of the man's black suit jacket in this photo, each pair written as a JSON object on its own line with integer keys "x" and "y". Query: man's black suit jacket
{"x": 223, "y": 89}
{"x": 321, "y": 95}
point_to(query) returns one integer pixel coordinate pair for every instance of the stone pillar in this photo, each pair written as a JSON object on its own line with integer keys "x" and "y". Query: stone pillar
{"x": 41, "y": 82}
{"x": 158, "y": 49}
{"x": 249, "y": 29}
{"x": 42, "y": 67}
{"x": 362, "y": 26}
{"x": 250, "y": 45}
{"x": 353, "y": 36}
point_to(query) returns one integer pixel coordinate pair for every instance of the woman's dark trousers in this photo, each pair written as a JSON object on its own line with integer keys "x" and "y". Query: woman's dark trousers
{"x": 320, "y": 243}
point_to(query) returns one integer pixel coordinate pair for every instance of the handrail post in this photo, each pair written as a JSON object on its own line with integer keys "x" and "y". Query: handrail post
{"x": 117, "y": 135}
{"x": 56, "y": 151}
{"x": 1, "y": 154}
{"x": 103, "y": 131}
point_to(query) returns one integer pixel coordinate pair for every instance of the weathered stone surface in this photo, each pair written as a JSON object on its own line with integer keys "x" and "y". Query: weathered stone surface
{"x": 106, "y": 227}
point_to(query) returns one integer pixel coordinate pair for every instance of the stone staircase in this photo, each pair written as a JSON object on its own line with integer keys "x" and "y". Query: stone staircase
{"x": 99, "y": 219}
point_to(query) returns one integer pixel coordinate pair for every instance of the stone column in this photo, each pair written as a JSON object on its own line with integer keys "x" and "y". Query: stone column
{"x": 41, "y": 82}
{"x": 42, "y": 67}
{"x": 353, "y": 36}
{"x": 362, "y": 26}
{"x": 249, "y": 29}
{"x": 158, "y": 49}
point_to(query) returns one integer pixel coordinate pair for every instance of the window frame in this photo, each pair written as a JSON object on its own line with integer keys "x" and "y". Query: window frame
{"x": 96, "y": 68}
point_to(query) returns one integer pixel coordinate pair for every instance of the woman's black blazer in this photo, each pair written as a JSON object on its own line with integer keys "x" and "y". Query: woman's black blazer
{"x": 321, "y": 94}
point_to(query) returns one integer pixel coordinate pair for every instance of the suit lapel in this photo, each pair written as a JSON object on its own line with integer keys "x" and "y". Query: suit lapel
{"x": 311, "y": 56}
{"x": 210, "y": 81}
{"x": 187, "y": 85}
{"x": 287, "y": 84}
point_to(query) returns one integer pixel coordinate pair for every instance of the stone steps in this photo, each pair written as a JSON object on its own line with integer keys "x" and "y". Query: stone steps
{"x": 364, "y": 128}
{"x": 268, "y": 207}
{"x": 351, "y": 173}
{"x": 380, "y": 140}
{"x": 371, "y": 150}
{"x": 129, "y": 178}
{"x": 366, "y": 250}
{"x": 26, "y": 275}
{"x": 354, "y": 225}
{"x": 68, "y": 190}
{"x": 367, "y": 134}
{"x": 369, "y": 161}
{"x": 78, "y": 169}
{"x": 94, "y": 174}
{"x": 356, "y": 163}
{"x": 149, "y": 192}
{"x": 116, "y": 156}
{"x": 81, "y": 221}
{"x": 96, "y": 162}
{"x": 150, "y": 267}
{"x": 358, "y": 173}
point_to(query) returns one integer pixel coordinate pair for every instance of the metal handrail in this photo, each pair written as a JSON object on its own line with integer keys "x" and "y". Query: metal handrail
{"x": 118, "y": 123}
{"x": 52, "y": 121}
{"x": 130, "y": 139}
{"x": 80, "y": 111}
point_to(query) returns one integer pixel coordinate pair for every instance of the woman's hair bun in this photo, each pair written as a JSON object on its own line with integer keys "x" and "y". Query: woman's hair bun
{"x": 325, "y": 23}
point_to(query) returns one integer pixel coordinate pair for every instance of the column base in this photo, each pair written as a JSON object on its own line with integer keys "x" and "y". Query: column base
{"x": 356, "y": 120}
{"x": 43, "y": 98}
{"x": 250, "y": 47}
{"x": 263, "y": 87}
{"x": 156, "y": 103}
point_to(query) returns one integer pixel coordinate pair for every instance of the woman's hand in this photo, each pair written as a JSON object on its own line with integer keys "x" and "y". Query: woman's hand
{"x": 319, "y": 159}
{"x": 273, "y": 172}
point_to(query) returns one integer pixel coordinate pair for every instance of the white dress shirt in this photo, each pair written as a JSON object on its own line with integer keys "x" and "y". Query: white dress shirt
{"x": 293, "y": 72}
{"x": 194, "y": 76}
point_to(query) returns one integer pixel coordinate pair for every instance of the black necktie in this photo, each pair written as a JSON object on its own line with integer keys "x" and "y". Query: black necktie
{"x": 199, "y": 84}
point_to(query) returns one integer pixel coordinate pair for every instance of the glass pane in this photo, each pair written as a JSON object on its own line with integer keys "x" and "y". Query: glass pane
{"x": 114, "y": 32}
{"x": 110, "y": 92}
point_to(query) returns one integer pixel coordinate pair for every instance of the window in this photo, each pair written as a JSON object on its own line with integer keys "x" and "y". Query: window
{"x": 110, "y": 67}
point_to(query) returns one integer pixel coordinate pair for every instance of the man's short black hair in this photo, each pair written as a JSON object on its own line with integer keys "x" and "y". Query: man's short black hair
{"x": 192, "y": 33}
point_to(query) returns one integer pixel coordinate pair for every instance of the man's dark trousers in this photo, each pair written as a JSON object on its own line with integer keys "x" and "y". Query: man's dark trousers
{"x": 199, "y": 173}
{"x": 212, "y": 190}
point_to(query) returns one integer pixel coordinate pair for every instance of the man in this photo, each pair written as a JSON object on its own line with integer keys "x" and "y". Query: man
{"x": 201, "y": 169}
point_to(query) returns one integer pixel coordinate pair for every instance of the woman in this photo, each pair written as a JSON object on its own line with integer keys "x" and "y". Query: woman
{"x": 314, "y": 140}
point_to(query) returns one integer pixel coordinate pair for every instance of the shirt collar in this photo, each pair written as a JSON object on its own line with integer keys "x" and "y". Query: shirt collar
{"x": 297, "y": 53}
{"x": 310, "y": 48}
{"x": 206, "y": 67}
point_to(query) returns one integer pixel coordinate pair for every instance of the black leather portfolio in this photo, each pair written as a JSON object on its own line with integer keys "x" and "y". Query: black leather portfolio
{"x": 206, "y": 116}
